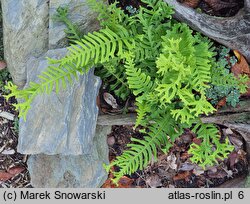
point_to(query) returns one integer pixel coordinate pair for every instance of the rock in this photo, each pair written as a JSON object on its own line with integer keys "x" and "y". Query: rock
{"x": 59, "y": 132}
{"x": 25, "y": 30}
{"x": 79, "y": 13}
{"x": 57, "y": 171}
{"x": 7, "y": 115}
{"x": 29, "y": 30}
{"x": 61, "y": 123}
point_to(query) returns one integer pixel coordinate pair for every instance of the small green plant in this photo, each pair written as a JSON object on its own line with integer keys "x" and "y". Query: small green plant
{"x": 16, "y": 125}
{"x": 4, "y": 79}
{"x": 72, "y": 31}
{"x": 224, "y": 83}
{"x": 161, "y": 62}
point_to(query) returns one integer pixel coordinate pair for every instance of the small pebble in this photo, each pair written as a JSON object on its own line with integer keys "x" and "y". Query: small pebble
{"x": 8, "y": 152}
{"x": 111, "y": 141}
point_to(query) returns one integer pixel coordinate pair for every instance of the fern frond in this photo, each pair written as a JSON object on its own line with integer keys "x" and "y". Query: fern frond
{"x": 113, "y": 75}
{"x": 72, "y": 31}
{"x": 211, "y": 149}
{"x": 141, "y": 152}
{"x": 138, "y": 81}
{"x": 166, "y": 93}
{"x": 95, "y": 48}
{"x": 142, "y": 110}
{"x": 52, "y": 78}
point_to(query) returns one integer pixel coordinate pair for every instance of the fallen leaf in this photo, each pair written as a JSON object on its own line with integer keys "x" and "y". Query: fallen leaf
{"x": 227, "y": 131}
{"x": 172, "y": 161}
{"x": 197, "y": 141}
{"x": 186, "y": 167}
{"x": 221, "y": 103}
{"x": 241, "y": 67}
{"x": 154, "y": 181}
{"x": 16, "y": 170}
{"x": 182, "y": 176}
{"x": 198, "y": 171}
{"x": 3, "y": 65}
{"x": 186, "y": 138}
{"x": 6, "y": 175}
{"x": 191, "y": 3}
{"x": 235, "y": 141}
{"x": 108, "y": 184}
{"x": 125, "y": 182}
{"x": 185, "y": 156}
{"x": 218, "y": 174}
{"x": 233, "y": 159}
{"x": 110, "y": 100}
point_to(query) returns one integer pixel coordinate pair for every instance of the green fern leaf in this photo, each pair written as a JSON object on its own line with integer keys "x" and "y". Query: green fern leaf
{"x": 141, "y": 152}
{"x": 211, "y": 149}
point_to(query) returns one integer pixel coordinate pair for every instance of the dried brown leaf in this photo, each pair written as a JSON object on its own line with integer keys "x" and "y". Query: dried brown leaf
{"x": 233, "y": 159}
{"x": 197, "y": 141}
{"x": 154, "y": 181}
{"x": 110, "y": 100}
{"x": 182, "y": 176}
{"x": 191, "y": 3}
{"x": 221, "y": 103}
{"x": 16, "y": 170}
{"x": 235, "y": 141}
{"x": 6, "y": 175}
{"x": 241, "y": 67}
{"x": 220, "y": 173}
{"x": 186, "y": 167}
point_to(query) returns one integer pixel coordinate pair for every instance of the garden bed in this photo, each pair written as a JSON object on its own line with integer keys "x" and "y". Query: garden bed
{"x": 174, "y": 169}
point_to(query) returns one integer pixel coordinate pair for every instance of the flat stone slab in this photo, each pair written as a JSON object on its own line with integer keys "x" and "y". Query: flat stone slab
{"x": 82, "y": 171}
{"x": 61, "y": 123}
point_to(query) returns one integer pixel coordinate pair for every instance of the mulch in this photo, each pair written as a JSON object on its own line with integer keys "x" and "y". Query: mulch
{"x": 174, "y": 169}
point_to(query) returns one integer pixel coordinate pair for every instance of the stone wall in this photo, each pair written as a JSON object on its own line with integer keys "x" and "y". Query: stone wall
{"x": 60, "y": 132}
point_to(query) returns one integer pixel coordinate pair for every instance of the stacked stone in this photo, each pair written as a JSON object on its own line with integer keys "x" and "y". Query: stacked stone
{"x": 66, "y": 147}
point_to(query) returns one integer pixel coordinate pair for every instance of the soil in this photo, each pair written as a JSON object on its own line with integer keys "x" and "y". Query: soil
{"x": 175, "y": 170}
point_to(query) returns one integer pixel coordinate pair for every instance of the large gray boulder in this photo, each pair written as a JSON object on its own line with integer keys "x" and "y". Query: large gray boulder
{"x": 61, "y": 123}
{"x": 60, "y": 132}
{"x": 25, "y": 29}
{"x": 30, "y": 31}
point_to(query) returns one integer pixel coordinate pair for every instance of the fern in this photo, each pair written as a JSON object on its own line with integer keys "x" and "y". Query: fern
{"x": 211, "y": 149}
{"x": 72, "y": 31}
{"x": 114, "y": 77}
{"x": 94, "y": 48}
{"x": 141, "y": 152}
